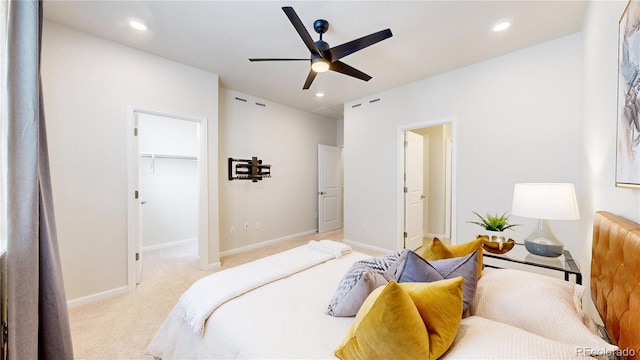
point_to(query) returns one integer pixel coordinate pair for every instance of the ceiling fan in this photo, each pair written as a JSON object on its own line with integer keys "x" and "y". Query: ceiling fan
{"x": 323, "y": 57}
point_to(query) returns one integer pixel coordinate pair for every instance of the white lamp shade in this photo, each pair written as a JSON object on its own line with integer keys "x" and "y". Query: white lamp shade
{"x": 549, "y": 201}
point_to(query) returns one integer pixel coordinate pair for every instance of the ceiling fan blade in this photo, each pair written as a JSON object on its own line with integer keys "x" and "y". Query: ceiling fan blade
{"x": 276, "y": 59}
{"x": 343, "y": 68}
{"x": 340, "y": 51}
{"x": 302, "y": 31}
{"x": 310, "y": 77}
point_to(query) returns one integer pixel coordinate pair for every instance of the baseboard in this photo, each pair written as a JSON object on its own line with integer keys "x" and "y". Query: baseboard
{"x": 97, "y": 297}
{"x": 264, "y": 243}
{"x": 169, "y": 244}
{"x": 367, "y": 246}
{"x": 214, "y": 266}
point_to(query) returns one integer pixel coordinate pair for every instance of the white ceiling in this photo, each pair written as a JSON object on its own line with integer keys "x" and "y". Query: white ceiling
{"x": 429, "y": 38}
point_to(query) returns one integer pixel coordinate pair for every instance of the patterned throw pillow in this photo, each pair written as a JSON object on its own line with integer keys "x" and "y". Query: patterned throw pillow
{"x": 363, "y": 277}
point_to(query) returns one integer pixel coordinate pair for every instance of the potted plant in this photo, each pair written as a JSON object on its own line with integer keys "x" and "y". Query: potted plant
{"x": 493, "y": 222}
{"x": 494, "y": 225}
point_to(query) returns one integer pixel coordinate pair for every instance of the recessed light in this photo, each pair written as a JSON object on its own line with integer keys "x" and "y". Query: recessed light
{"x": 319, "y": 94}
{"x": 138, "y": 25}
{"x": 501, "y": 25}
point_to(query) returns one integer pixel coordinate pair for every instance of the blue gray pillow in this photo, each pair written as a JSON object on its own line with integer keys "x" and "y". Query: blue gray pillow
{"x": 416, "y": 269}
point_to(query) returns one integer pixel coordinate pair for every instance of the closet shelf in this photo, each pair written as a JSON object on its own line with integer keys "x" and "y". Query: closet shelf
{"x": 168, "y": 156}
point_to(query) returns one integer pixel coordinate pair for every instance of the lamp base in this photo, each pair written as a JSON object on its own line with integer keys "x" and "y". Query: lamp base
{"x": 543, "y": 249}
{"x": 542, "y": 241}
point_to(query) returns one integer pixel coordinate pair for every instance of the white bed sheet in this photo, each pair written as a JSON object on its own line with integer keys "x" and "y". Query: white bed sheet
{"x": 283, "y": 319}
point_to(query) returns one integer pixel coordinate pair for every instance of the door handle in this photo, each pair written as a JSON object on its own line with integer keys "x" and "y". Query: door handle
{"x": 422, "y": 196}
{"x": 143, "y": 202}
{"x": 321, "y": 193}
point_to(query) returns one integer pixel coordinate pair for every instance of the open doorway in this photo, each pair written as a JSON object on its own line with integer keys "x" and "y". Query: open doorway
{"x": 168, "y": 180}
{"x": 168, "y": 150}
{"x": 428, "y": 182}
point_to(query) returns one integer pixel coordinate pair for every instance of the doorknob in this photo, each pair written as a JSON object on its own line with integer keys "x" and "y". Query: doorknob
{"x": 422, "y": 196}
{"x": 322, "y": 193}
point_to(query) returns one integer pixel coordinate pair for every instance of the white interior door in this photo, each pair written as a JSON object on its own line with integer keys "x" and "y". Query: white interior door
{"x": 426, "y": 169}
{"x": 413, "y": 191}
{"x": 329, "y": 188}
{"x": 447, "y": 189}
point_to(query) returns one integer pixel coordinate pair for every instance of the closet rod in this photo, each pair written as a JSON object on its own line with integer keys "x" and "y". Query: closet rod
{"x": 165, "y": 156}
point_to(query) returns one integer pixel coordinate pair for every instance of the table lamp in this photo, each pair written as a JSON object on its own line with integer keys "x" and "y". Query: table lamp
{"x": 545, "y": 201}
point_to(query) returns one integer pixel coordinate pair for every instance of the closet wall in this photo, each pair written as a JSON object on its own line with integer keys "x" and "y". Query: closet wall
{"x": 168, "y": 180}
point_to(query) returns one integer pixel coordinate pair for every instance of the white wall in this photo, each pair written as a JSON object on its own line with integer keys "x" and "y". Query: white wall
{"x": 285, "y": 205}
{"x": 516, "y": 119}
{"x": 169, "y": 190}
{"x": 168, "y": 186}
{"x": 599, "y": 109}
{"x": 88, "y": 84}
{"x": 340, "y": 133}
{"x": 165, "y": 135}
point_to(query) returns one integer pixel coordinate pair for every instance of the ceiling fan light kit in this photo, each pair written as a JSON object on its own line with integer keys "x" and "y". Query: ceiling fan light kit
{"x": 320, "y": 65}
{"x": 323, "y": 57}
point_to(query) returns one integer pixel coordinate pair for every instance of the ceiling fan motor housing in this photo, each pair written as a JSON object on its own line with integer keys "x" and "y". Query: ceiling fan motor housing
{"x": 321, "y": 26}
{"x": 324, "y": 49}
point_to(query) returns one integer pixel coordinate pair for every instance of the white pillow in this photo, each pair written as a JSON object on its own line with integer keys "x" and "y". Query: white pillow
{"x": 539, "y": 304}
{"x": 480, "y": 338}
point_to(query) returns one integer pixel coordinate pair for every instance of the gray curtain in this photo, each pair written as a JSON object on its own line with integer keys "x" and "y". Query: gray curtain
{"x": 37, "y": 309}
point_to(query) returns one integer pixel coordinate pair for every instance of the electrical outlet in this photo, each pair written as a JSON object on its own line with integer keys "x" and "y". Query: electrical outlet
{"x": 246, "y": 226}
{"x": 257, "y": 225}
{"x": 232, "y": 230}
{"x": 364, "y": 226}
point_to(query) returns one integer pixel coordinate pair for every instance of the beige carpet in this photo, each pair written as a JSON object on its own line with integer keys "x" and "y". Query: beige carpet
{"x": 121, "y": 327}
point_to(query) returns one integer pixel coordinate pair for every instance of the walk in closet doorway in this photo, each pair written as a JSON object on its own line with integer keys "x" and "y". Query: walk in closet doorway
{"x": 428, "y": 178}
{"x": 169, "y": 183}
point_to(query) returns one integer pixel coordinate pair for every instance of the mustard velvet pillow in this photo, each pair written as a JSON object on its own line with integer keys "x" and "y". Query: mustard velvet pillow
{"x": 409, "y": 320}
{"x": 437, "y": 251}
{"x": 440, "y": 306}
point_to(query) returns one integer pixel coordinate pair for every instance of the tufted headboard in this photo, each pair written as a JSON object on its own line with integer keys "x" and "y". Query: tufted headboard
{"x": 615, "y": 279}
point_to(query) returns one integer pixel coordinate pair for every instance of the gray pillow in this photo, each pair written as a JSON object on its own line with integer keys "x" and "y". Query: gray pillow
{"x": 363, "y": 277}
{"x": 351, "y": 300}
{"x": 417, "y": 269}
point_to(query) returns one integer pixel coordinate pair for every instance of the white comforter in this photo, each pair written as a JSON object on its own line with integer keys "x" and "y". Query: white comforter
{"x": 207, "y": 294}
{"x": 286, "y": 319}
{"x": 280, "y": 320}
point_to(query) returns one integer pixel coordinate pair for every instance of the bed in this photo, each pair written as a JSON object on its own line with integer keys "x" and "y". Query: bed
{"x": 264, "y": 310}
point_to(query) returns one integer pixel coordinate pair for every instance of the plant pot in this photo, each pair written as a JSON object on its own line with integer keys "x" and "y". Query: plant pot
{"x": 495, "y": 242}
{"x": 496, "y": 236}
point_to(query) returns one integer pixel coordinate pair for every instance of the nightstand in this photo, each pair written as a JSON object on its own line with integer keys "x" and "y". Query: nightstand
{"x": 519, "y": 254}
